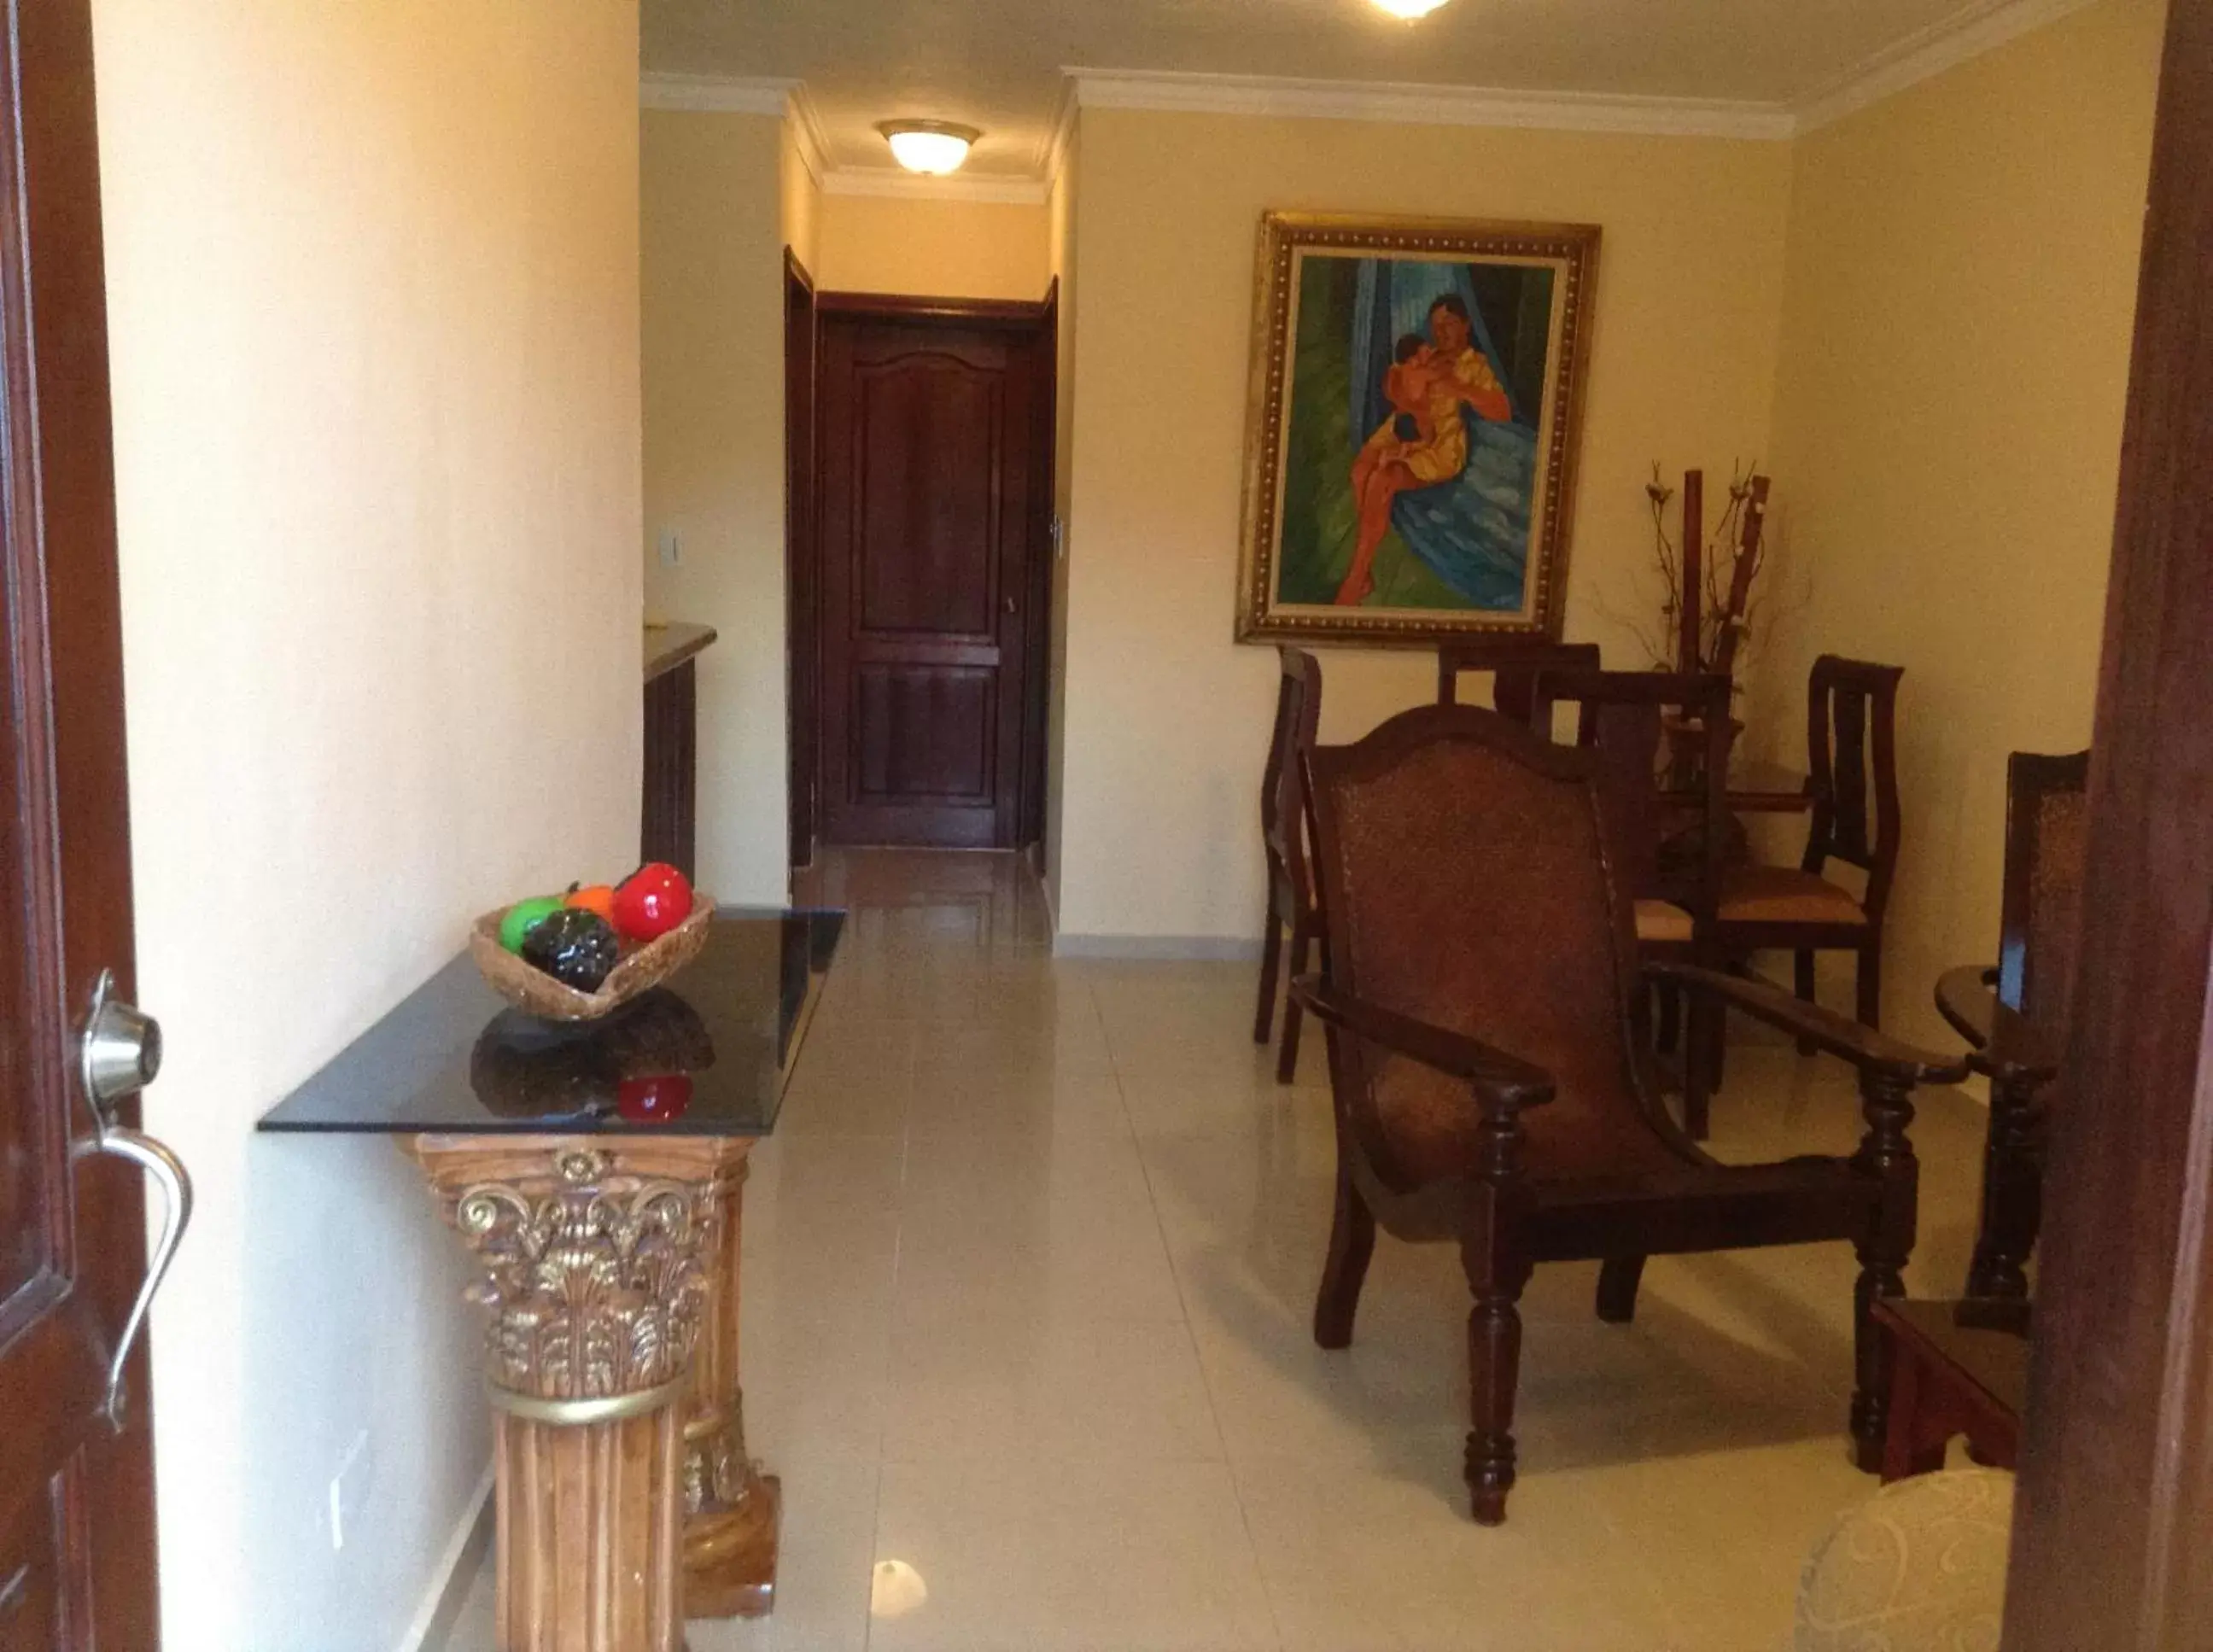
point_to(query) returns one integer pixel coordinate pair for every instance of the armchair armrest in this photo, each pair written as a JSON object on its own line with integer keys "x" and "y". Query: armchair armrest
{"x": 1865, "y": 1048}
{"x": 1503, "y": 1081}
{"x": 2006, "y": 1046}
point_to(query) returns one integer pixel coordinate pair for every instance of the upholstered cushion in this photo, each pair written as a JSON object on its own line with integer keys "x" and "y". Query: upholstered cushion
{"x": 1783, "y": 895}
{"x": 1661, "y": 921}
{"x": 1920, "y": 1567}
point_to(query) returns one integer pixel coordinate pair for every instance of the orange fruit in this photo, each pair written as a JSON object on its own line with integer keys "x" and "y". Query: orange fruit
{"x": 597, "y": 897}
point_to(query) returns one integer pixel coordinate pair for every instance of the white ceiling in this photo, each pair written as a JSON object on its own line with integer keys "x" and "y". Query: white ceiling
{"x": 996, "y": 64}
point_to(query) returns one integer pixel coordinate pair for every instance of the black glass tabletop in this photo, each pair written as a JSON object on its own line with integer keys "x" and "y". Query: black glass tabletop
{"x": 707, "y": 1053}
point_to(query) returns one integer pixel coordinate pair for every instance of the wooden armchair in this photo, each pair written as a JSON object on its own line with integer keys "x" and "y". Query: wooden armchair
{"x": 1851, "y": 750}
{"x": 1489, "y": 1089}
{"x": 1515, "y": 663}
{"x": 1283, "y": 837}
{"x": 2014, "y": 1015}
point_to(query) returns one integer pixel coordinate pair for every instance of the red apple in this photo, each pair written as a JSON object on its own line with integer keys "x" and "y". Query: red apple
{"x": 660, "y": 1099}
{"x": 651, "y": 901}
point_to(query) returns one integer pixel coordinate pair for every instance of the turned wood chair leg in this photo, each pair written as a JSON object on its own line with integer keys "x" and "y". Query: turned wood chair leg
{"x": 1271, "y": 941}
{"x": 1883, "y": 1248}
{"x": 1669, "y": 1035}
{"x": 1491, "y": 1254}
{"x": 1702, "y": 1025}
{"x": 1802, "y": 979}
{"x": 2012, "y": 1199}
{"x": 1870, "y": 984}
{"x": 1618, "y": 1278}
{"x": 1351, "y": 1243}
{"x": 1287, "y": 1059}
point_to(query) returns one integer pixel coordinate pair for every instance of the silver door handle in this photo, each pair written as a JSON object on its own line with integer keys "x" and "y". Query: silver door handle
{"x": 121, "y": 1053}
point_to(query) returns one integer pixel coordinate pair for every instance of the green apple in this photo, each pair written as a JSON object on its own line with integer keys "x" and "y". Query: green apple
{"x": 524, "y": 917}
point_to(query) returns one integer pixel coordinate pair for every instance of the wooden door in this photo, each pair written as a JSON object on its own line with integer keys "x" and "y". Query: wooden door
{"x": 2111, "y": 1547}
{"x": 930, "y": 487}
{"x": 801, "y": 669}
{"x": 76, "y": 1511}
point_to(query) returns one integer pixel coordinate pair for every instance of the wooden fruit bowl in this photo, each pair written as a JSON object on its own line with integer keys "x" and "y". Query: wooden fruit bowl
{"x": 536, "y": 993}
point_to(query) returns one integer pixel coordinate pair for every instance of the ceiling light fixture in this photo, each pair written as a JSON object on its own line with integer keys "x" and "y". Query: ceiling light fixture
{"x": 935, "y": 147}
{"x": 1409, "y": 9}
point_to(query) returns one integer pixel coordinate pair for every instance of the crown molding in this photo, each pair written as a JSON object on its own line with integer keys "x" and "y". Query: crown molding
{"x": 1405, "y": 103}
{"x": 1980, "y": 26}
{"x": 989, "y": 189}
{"x": 730, "y": 95}
{"x": 806, "y": 134}
{"x": 1054, "y": 156}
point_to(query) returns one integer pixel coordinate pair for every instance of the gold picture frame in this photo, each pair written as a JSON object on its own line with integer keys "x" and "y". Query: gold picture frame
{"x": 1415, "y": 419}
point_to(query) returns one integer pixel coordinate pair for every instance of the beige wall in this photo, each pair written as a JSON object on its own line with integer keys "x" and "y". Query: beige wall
{"x": 1960, "y": 289}
{"x": 1162, "y": 756}
{"x": 373, "y": 303}
{"x": 936, "y": 249}
{"x": 716, "y": 211}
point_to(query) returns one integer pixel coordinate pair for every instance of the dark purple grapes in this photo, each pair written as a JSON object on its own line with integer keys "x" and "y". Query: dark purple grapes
{"x": 575, "y": 946}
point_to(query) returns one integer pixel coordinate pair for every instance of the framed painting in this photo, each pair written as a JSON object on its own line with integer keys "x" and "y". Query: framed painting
{"x": 1410, "y": 452}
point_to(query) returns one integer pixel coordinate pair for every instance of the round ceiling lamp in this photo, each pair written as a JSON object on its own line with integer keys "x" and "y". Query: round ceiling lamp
{"x": 934, "y": 147}
{"x": 1409, "y": 9}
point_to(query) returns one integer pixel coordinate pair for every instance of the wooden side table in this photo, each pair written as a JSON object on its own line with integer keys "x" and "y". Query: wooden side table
{"x": 1949, "y": 1378}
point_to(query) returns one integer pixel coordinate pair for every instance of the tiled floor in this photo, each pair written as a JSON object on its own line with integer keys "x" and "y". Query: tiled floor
{"x": 1028, "y": 1265}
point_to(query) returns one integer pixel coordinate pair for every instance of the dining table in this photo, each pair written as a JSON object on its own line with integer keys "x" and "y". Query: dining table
{"x": 595, "y": 1172}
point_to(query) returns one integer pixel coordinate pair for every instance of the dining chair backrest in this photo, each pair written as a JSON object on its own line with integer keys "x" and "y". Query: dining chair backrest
{"x": 1282, "y": 808}
{"x": 2047, "y": 845}
{"x": 1622, "y": 718}
{"x": 1851, "y": 754}
{"x": 1513, "y": 663}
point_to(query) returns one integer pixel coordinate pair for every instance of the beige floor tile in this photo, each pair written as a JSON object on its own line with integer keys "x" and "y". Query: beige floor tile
{"x": 1359, "y": 1558}
{"x": 1059, "y": 1557}
{"x": 974, "y": 1102}
{"x": 1053, "y": 1260}
{"x": 979, "y": 1388}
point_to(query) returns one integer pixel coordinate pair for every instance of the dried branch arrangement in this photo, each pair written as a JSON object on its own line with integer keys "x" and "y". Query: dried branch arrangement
{"x": 1708, "y": 579}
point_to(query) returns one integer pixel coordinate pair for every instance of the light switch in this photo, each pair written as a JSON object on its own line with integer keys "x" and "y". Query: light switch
{"x": 672, "y": 548}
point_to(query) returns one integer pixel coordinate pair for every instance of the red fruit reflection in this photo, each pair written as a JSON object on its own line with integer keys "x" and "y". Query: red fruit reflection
{"x": 660, "y": 1099}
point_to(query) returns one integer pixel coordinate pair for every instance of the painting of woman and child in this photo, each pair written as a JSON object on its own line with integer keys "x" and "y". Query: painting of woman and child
{"x": 1415, "y": 427}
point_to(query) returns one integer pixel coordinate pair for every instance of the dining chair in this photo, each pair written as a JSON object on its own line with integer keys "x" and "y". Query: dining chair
{"x": 1513, "y": 663}
{"x": 2013, "y": 1013}
{"x": 1479, "y": 988}
{"x": 1852, "y": 751}
{"x": 1621, "y": 717}
{"x": 1282, "y": 838}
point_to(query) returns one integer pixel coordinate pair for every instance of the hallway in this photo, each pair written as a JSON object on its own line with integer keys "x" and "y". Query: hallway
{"x": 1029, "y": 1264}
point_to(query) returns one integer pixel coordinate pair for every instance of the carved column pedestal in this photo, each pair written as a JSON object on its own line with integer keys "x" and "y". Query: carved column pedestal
{"x": 604, "y": 1259}
{"x": 732, "y": 1512}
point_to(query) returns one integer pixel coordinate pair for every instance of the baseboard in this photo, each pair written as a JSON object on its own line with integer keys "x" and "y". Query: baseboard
{"x": 465, "y": 1552}
{"x": 1159, "y": 949}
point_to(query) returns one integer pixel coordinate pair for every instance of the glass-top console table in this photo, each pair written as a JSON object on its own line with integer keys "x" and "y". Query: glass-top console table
{"x": 594, "y": 1170}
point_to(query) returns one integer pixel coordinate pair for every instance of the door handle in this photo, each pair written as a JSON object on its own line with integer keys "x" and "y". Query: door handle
{"x": 120, "y": 1053}
{"x": 1010, "y": 604}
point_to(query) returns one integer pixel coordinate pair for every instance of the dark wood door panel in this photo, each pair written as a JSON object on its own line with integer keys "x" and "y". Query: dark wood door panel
{"x": 925, "y": 554}
{"x": 929, "y": 479}
{"x": 76, "y": 1540}
{"x": 35, "y": 1611}
{"x": 924, "y": 734}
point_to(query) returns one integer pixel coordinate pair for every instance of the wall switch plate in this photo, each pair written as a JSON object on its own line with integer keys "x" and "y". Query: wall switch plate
{"x": 672, "y": 548}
